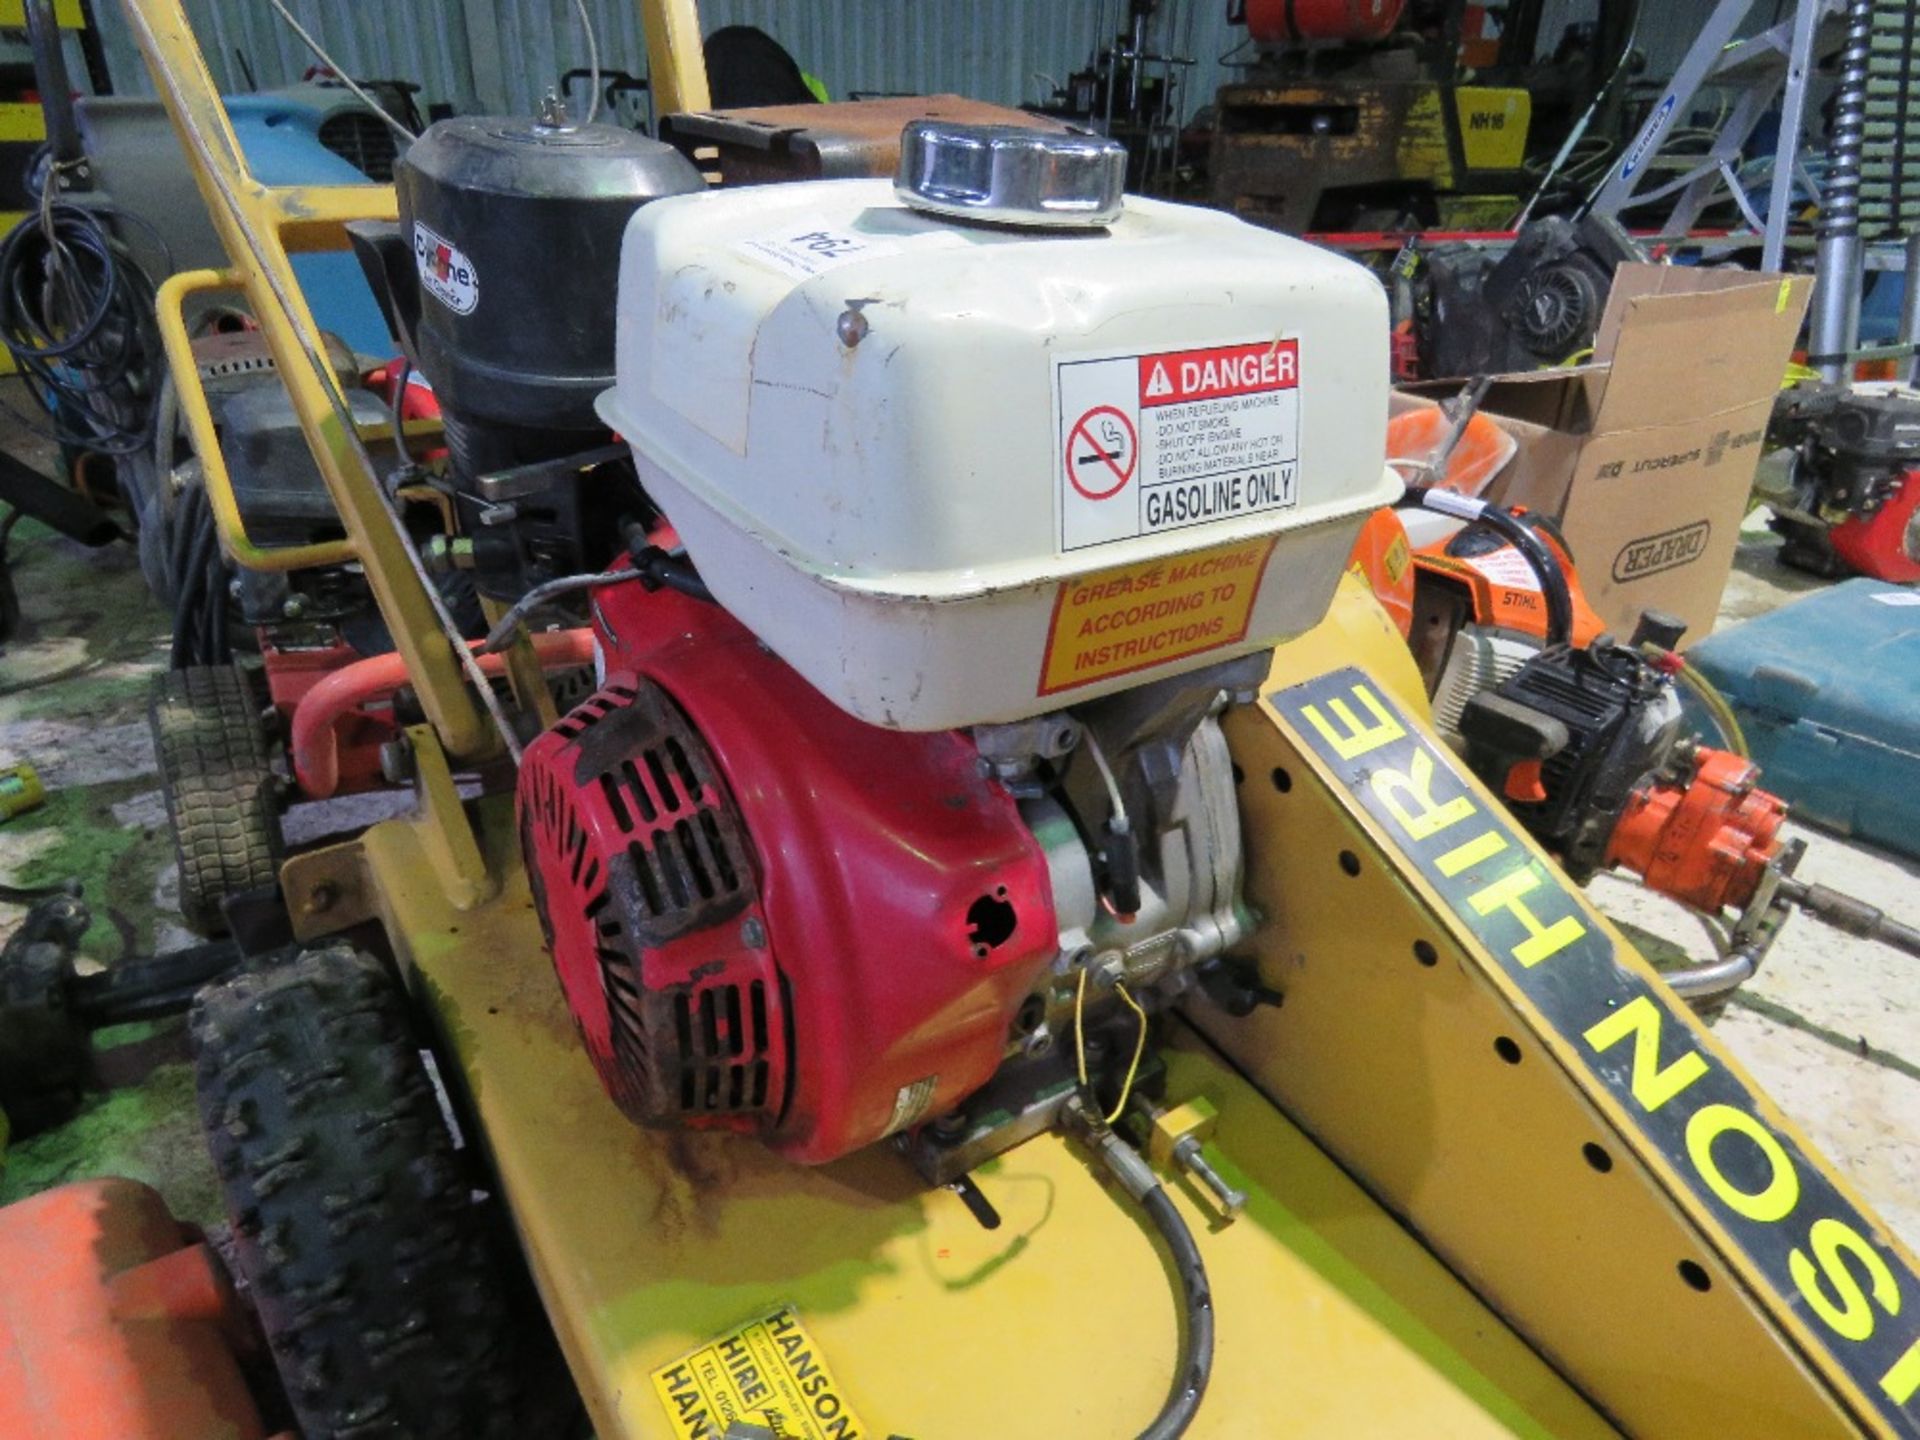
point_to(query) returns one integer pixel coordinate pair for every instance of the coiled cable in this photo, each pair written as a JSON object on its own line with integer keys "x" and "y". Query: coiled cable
{"x": 77, "y": 316}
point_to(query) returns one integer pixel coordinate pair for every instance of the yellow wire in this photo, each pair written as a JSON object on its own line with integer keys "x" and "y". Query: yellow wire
{"x": 1080, "y": 1040}
{"x": 1080, "y": 1026}
{"x": 1139, "y": 1049}
{"x": 1716, "y": 703}
{"x": 1717, "y": 706}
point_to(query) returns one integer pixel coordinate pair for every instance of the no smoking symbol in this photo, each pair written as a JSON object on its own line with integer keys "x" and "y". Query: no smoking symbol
{"x": 1102, "y": 450}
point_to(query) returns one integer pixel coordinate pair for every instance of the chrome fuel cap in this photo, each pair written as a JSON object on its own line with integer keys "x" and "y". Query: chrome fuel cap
{"x": 1010, "y": 175}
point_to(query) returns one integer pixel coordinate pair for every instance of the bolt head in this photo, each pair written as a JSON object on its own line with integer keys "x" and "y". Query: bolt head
{"x": 851, "y": 327}
{"x": 396, "y": 761}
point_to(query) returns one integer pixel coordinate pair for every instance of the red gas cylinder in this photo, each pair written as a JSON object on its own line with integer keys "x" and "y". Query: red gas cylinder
{"x": 1275, "y": 22}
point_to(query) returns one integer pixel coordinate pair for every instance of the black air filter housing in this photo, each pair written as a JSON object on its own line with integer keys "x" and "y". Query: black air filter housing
{"x": 515, "y": 228}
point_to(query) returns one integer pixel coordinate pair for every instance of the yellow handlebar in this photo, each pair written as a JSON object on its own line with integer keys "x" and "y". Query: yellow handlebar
{"x": 206, "y": 439}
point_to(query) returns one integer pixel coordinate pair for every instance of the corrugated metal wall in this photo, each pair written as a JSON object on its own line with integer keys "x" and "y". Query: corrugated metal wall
{"x": 504, "y": 54}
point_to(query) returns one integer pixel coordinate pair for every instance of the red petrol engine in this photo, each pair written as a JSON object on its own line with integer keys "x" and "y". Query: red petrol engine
{"x": 767, "y": 915}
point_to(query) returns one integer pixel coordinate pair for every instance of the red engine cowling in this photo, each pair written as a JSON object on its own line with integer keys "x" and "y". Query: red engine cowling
{"x": 769, "y": 916}
{"x": 1876, "y": 545}
{"x": 1273, "y": 22}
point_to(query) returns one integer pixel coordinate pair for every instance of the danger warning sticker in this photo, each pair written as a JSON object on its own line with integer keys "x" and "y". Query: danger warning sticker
{"x": 1150, "y": 443}
{"x": 1115, "y": 622}
{"x": 767, "y": 1372}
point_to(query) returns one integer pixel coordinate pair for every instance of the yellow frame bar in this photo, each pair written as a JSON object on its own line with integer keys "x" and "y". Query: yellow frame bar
{"x": 259, "y": 225}
{"x": 676, "y": 62}
{"x": 198, "y": 416}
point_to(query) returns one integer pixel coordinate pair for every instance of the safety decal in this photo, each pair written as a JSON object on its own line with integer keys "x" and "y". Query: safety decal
{"x": 1151, "y": 443}
{"x": 803, "y": 250}
{"x": 1133, "y": 617}
{"x": 1513, "y": 584}
{"x": 1826, "y": 1264}
{"x": 445, "y": 271}
{"x": 1397, "y": 558}
{"x": 911, "y": 1102}
{"x": 769, "y": 1373}
{"x": 1507, "y": 568}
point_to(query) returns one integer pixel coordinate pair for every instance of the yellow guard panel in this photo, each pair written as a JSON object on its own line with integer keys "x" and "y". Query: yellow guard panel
{"x": 1332, "y": 1320}
{"x": 1061, "y": 1321}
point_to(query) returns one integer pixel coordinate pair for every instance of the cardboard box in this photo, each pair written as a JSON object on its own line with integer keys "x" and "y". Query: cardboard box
{"x": 1646, "y": 455}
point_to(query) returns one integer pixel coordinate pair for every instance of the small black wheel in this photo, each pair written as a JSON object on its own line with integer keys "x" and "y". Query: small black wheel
{"x": 220, "y": 789}
{"x": 383, "y": 1288}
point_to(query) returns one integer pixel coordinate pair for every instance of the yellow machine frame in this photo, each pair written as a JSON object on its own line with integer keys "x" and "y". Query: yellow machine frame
{"x": 1500, "y": 1181}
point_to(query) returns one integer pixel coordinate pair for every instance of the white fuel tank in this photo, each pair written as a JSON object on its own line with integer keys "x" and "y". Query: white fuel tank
{"x": 957, "y": 473}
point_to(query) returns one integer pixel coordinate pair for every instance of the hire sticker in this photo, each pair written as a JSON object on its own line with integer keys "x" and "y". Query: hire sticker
{"x": 768, "y": 1373}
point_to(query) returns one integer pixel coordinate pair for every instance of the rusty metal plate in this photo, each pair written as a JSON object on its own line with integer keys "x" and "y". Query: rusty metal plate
{"x": 843, "y": 141}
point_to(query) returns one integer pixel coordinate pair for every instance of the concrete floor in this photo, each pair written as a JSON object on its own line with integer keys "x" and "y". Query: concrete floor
{"x": 1831, "y": 1028}
{"x": 1831, "y": 1025}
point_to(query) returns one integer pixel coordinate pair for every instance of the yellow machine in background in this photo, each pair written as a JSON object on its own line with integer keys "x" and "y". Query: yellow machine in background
{"x": 1308, "y": 153}
{"x": 1407, "y": 114}
{"x": 1493, "y": 1178}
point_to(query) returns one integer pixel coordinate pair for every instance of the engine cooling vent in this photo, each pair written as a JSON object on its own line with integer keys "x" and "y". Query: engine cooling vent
{"x": 1478, "y": 661}
{"x": 645, "y": 886}
{"x": 363, "y": 140}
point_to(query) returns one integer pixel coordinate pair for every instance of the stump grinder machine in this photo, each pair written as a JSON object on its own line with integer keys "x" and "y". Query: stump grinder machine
{"x": 1026, "y": 964}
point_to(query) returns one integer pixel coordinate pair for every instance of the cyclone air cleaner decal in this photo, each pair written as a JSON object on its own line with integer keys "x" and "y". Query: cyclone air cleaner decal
{"x": 1159, "y": 442}
{"x": 445, "y": 271}
{"x": 1826, "y": 1264}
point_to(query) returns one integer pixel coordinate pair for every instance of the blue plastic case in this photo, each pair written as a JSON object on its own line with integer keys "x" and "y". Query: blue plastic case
{"x": 1828, "y": 691}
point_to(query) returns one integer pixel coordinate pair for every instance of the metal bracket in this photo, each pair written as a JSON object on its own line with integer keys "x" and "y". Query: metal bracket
{"x": 446, "y": 835}
{"x": 327, "y": 890}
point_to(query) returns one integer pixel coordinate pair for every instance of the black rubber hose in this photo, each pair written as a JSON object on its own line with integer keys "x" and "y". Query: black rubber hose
{"x": 1522, "y": 536}
{"x": 179, "y": 542}
{"x": 151, "y": 987}
{"x": 657, "y": 567}
{"x": 190, "y": 623}
{"x": 76, "y": 314}
{"x": 1195, "y": 1365}
{"x": 214, "y": 616}
{"x": 53, "y": 504}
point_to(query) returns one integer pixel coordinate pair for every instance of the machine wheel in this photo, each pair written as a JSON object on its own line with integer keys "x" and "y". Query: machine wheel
{"x": 218, "y": 785}
{"x": 375, "y": 1273}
